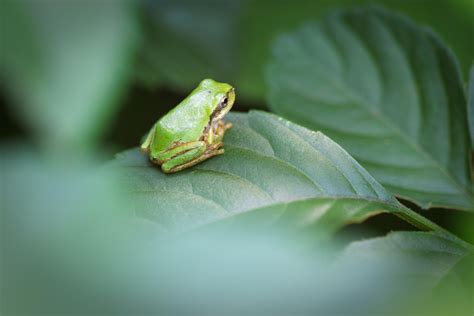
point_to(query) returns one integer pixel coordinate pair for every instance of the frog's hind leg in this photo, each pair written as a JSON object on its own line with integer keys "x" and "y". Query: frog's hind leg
{"x": 177, "y": 150}
{"x": 179, "y": 154}
{"x": 175, "y": 165}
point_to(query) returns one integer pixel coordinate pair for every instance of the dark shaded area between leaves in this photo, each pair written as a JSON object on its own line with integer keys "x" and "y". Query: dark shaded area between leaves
{"x": 10, "y": 128}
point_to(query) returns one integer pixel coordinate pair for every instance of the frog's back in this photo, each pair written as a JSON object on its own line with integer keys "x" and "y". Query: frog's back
{"x": 185, "y": 123}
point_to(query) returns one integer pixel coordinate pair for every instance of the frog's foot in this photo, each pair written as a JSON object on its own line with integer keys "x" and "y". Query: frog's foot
{"x": 223, "y": 126}
{"x": 227, "y": 126}
{"x": 211, "y": 151}
{"x": 214, "y": 147}
{"x": 220, "y": 131}
{"x": 145, "y": 146}
{"x": 216, "y": 132}
{"x": 145, "y": 150}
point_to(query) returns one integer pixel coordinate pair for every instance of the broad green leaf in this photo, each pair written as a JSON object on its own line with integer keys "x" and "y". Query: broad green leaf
{"x": 268, "y": 162}
{"x": 64, "y": 64}
{"x": 389, "y": 92}
{"x": 263, "y": 20}
{"x": 422, "y": 261}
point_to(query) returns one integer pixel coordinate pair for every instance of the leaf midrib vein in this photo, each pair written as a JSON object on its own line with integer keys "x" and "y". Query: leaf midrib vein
{"x": 308, "y": 143}
{"x": 317, "y": 185}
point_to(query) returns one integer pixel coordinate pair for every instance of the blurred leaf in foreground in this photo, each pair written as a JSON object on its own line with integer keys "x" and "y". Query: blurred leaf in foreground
{"x": 65, "y": 64}
{"x": 69, "y": 236}
{"x": 454, "y": 293}
{"x": 52, "y": 211}
{"x": 389, "y": 92}
{"x": 431, "y": 261}
{"x": 268, "y": 162}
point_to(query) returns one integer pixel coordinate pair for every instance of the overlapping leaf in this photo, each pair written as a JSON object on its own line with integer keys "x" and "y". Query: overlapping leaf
{"x": 389, "y": 92}
{"x": 427, "y": 256}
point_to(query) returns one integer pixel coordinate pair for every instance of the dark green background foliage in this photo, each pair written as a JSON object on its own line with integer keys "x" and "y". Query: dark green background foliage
{"x": 364, "y": 164}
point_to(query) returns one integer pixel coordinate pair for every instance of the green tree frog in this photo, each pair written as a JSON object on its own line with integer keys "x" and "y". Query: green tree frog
{"x": 192, "y": 131}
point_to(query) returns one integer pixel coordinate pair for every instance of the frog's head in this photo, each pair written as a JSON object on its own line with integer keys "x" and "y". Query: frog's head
{"x": 222, "y": 97}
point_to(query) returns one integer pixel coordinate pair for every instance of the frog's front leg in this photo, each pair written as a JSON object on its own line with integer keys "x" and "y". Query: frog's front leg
{"x": 216, "y": 132}
{"x": 221, "y": 128}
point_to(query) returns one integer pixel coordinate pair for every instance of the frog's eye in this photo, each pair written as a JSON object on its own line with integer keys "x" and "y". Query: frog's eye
{"x": 222, "y": 103}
